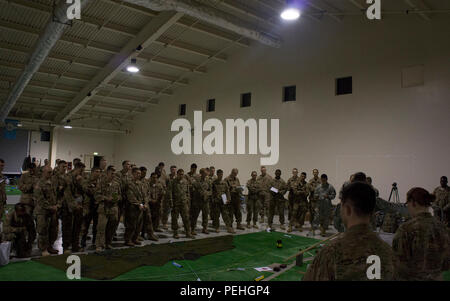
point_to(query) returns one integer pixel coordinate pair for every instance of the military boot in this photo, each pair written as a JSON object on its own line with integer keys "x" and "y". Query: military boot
{"x": 152, "y": 236}
{"x": 239, "y": 227}
{"x": 255, "y": 226}
{"x": 217, "y": 230}
{"x": 52, "y": 251}
{"x": 189, "y": 235}
{"x": 140, "y": 238}
{"x": 165, "y": 227}
{"x": 282, "y": 227}
{"x": 322, "y": 231}
{"x": 289, "y": 229}
{"x": 193, "y": 232}
{"x": 98, "y": 250}
{"x": 175, "y": 235}
{"x": 205, "y": 231}
{"x": 108, "y": 247}
{"x": 248, "y": 226}
{"x": 129, "y": 244}
{"x": 230, "y": 230}
{"x": 137, "y": 242}
{"x": 45, "y": 253}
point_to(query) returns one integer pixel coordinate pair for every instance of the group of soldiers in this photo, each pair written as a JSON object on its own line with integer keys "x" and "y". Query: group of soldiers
{"x": 105, "y": 196}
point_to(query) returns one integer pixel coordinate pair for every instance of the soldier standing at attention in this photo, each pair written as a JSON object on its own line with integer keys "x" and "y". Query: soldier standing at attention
{"x": 156, "y": 194}
{"x": 346, "y": 257}
{"x": 26, "y": 184}
{"x": 167, "y": 202}
{"x": 300, "y": 193}
{"x": 134, "y": 208}
{"x": 90, "y": 206}
{"x": 72, "y": 210}
{"x": 324, "y": 194}
{"x": 422, "y": 244}
{"x": 264, "y": 184}
{"x": 277, "y": 201}
{"x": 107, "y": 197}
{"x": 291, "y": 183}
{"x": 200, "y": 202}
{"x": 47, "y": 206}
{"x": 441, "y": 205}
{"x": 313, "y": 215}
{"x": 124, "y": 177}
{"x": 252, "y": 200}
{"x": 19, "y": 229}
{"x": 2, "y": 190}
{"x": 180, "y": 196}
{"x": 236, "y": 192}
{"x": 221, "y": 203}
{"x": 211, "y": 177}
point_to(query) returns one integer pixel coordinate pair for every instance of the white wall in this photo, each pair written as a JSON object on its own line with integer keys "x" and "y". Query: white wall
{"x": 71, "y": 143}
{"x": 39, "y": 149}
{"x": 391, "y": 133}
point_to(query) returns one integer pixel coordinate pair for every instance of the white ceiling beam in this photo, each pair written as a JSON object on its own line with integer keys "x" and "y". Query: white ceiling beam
{"x": 419, "y": 5}
{"x": 153, "y": 30}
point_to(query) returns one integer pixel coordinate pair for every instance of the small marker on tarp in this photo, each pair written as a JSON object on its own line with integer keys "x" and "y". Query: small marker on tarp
{"x": 236, "y": 269}
{"x": 177, "y": 264}
{"x": 259, "y": 278}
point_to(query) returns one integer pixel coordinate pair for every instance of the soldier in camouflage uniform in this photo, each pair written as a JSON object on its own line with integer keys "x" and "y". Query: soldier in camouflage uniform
{"x": 236, "y": 197}
{"x": 59, "y": 180}
{"x": 422, "y": 244}
{"x": 124, "y": 178}
{"x": 72, "y": 209}
{"x": 180, "y": 197}
{"x": 277, "y": 201}
{"x": 26, "y": 184}
{"x": 264, "y": 184}
{"x": 300, "y": 191}
{"x": 47, "y": 206}
{"x": 313, "y": 209}
{"x": 200, "y": 202}
{"x": 252, "y": 200}
{"x": 90, "y": 206}
{"x": 19, "y": 229}
{"x": 291, "y": 183}
{"x": 167, "y": 202}
{"x": 107, "y": 197}
{"x": 212, "y": 177}
{"x": 2, "y": 190}
{"x": 221, "y": 203}
{"x": 345, "y": 258}
{"x": 324, "y": 194}
{"x": 441, "y": 205}
{"x": 134, "y": 208}
{"x": 156, "y": 194}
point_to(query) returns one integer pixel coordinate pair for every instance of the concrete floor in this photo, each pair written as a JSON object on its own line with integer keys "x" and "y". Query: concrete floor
{"x": 166, "y": 236}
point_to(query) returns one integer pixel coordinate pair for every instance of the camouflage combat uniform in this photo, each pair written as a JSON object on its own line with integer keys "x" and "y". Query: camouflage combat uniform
{"x": 167, "y": 201}
{"x": 133, "y": 210}
{"x": 277, "y": 201}
{"x": 2, "y": 195}
{"x": 422, "y": 246}
{"x": 90, "y": 209}
{"x": 200, "y": 202}
{"x": 345, "y": 258}
{"x": 72, "y": 212}
{"x": 107, "y": 197}
{"x": 156, "y": 193}
{"x": 441, "y": 205}
{"x": 26, "y": 186}
{"x": 264, "y": 184}
{"x": 124, "y": 179}
{"x": 218, "y": 207}
{"x": 299, "y": 191}
{"x": 253, "y": 205}
{"x": 291, "y": 183}
{"x": 45, "y": 194}
{"x": 180, "y": 197}
{"x": 324, "y": 194}
{"x": 313, "y": 215}
{"x": 236, "y": 193}
{"x": 21, "y": 232}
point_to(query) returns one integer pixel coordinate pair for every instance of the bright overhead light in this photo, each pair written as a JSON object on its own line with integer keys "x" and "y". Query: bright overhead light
{"x": 95, "y": 154}
{"x": 19, "y": 125}
{"x": 67, "y": 127}
{"x": 290, "y": 14}
{"x": 133, "y": 68}
{"x": 291, "y": 10}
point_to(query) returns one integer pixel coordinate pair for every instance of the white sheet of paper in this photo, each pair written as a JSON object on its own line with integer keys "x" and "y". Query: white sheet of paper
{"x": 263, "y": 269}
{"x": 274, "y": 189}
{"x": 224, "y": 198}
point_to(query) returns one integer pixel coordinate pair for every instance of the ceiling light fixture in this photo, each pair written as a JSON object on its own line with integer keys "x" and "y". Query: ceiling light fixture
{"x": 133, "y": 68}
{"x": 291, "y": 12}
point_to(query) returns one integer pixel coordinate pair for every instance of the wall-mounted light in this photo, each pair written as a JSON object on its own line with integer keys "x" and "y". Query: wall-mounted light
{"x": 95, "y": 154}
{"x": 67, "y": 125}
{"x": 291, "y": 11}
{"x": 133, "y": 68}
{"x": 19, "y": 125}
